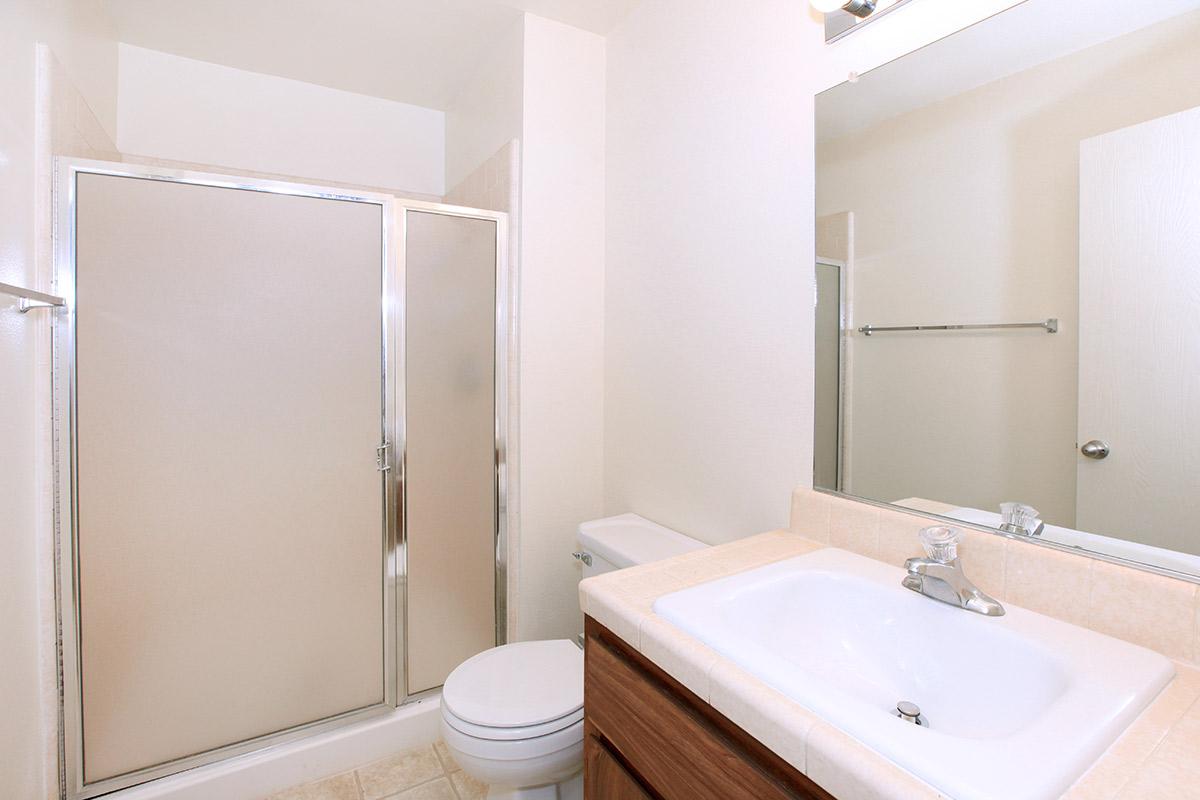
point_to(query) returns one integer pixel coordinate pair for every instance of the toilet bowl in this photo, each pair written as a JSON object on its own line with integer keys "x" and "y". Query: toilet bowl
{"x": 512, "y": 716}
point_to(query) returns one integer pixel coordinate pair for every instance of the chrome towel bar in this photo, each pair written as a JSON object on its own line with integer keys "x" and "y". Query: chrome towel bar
{"x": 1050, "y": 326}
{"x": 30, "y": 298}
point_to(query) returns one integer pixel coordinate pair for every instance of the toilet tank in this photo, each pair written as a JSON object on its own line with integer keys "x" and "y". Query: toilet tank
{"x": 617, "y": 542}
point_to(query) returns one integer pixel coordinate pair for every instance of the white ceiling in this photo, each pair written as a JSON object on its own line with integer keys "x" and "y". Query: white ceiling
{"x": 413, "y": 51}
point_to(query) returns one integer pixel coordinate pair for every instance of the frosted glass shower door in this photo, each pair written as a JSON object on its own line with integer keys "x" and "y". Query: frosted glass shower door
{"x": 450, "y": 474}
{"x": 229, "y": 515}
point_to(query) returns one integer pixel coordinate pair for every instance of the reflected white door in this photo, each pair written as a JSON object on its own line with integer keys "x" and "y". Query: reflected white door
{"x": 1139, "y": 338}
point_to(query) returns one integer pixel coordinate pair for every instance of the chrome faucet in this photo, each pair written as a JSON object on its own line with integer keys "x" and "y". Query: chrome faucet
{"x": 1020, "y": 519}
{"x": 940, "y": 576}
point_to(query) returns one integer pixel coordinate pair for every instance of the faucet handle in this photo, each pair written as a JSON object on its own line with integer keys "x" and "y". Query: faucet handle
{"x": 1019, "y": 518}
{"x": 941, "y": 543}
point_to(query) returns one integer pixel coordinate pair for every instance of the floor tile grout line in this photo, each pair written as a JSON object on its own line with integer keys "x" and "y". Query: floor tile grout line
{"x": 443, "y": 776}
{"x": 442, "y": 760}
{"x": 446, "y": 771}
{"x": 434, "y": 779}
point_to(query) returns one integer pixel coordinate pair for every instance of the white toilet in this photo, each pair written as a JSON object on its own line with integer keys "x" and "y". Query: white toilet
{"x": 512, "y": 716}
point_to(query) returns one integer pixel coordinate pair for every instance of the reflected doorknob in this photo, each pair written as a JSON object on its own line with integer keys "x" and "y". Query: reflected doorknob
{"x": 1095, "y": 449}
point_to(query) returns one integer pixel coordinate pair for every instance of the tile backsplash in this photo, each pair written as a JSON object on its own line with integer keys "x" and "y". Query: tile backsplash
{"x": 1150, "y": 610}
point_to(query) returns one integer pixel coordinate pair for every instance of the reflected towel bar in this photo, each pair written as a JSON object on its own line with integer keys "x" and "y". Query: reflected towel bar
{"x": 30, "y": 298}
{"x": 1050, "y": 326}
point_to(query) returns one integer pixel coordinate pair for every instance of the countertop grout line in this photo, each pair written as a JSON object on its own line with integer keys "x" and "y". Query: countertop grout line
{"x": 1143, "y": 764}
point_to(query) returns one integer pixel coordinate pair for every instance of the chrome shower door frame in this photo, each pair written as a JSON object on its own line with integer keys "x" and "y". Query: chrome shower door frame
{"x": 843, "y": 366}
{"x": 505, "y": 332}
{"x": 70, "y": 710}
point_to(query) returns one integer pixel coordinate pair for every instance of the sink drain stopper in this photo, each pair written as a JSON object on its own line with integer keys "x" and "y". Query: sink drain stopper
{"x": 910, "y": 712}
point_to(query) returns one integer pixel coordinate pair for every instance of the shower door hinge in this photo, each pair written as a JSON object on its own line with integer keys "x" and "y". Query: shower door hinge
{"x": 381, "y": 458}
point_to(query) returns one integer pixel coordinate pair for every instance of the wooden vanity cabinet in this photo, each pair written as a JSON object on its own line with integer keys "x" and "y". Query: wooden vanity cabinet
{"x": 647, "y": 737}
{"x": 606, "y": 777}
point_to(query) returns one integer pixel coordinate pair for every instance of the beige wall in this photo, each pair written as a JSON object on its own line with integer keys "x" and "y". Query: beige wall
{"x": 562, "y": 317}
{"x": 709, "y": 266}
{"x": 487, "y": 111}
{"x": 41, "y": 109}
{"x": 710, "y": 245}
{"x": 83, "y": 39}
{"x": 493, "y": 184}
{"x": 186, "y": 110}
{"x": 967, "y": 211}
{"x": 835, "y": 234}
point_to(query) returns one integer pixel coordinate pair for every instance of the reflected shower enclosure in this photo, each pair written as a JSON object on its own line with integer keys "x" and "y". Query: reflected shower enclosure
{"x": 278, "y": 418}
{"x": 830, "y": 369}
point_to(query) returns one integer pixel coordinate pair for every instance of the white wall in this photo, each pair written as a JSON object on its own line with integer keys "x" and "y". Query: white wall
{"x": 487, "y": 112}
{"x": 29, "y": 121}
{"x": 1008, "y": 151}
{"x": 185, "y": 110}
{"x": 709, "y": 291}
{"x": 562, "y": 316}
{"x": 543, "y": 84}
{"x": 83, "y": 39}
{"x": 709, "y": 285}
{"x": 23, "y": 725}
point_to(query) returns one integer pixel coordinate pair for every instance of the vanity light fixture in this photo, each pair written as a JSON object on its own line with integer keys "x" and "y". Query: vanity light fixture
{"x": 843, "y": 17}
{"x": 859, "y": 8}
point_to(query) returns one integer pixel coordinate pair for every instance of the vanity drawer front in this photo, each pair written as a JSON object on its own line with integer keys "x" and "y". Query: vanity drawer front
{"x": 678, "y": 745}
{"x": 605, "y": 777}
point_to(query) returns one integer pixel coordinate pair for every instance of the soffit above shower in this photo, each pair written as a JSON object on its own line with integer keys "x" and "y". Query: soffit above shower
{"x": 410, "y": 51}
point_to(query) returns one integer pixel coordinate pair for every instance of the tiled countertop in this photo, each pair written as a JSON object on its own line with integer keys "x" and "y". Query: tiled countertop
{"x": 1157, "y": 758}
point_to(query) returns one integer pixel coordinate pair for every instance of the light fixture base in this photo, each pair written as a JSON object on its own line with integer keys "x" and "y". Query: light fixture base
{"x": 843, "y": 17}
{"x": 860, "y": 8}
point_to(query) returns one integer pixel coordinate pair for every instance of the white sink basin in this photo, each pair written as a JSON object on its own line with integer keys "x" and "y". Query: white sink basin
{"x": 1018, "y": 706}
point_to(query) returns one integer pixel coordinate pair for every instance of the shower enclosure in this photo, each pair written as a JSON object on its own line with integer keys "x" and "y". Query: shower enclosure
{"x": 279, "y": 417}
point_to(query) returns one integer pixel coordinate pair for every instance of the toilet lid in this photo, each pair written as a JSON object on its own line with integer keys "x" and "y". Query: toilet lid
{"x": 517, "y": 685}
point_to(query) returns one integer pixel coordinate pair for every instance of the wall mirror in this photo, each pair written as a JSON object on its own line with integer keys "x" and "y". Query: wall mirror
{"x": 1008, "y": 280}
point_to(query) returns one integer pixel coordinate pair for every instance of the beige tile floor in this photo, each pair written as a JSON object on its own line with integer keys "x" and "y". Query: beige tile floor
{"x": 423, "y": 773}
